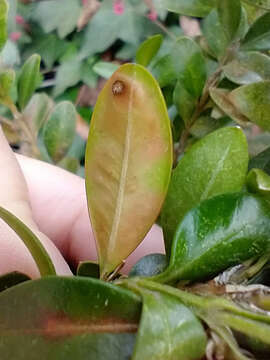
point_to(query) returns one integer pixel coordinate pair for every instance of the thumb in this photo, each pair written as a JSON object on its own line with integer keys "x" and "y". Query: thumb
{"x": 14, "y": 256}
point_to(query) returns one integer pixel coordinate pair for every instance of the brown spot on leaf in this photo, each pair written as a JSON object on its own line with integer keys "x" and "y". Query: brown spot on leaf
{"x": 60, "y": 325}
{"x": 118, "y": 87}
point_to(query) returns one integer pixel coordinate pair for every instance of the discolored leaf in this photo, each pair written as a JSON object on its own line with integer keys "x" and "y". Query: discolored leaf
{"x": 229, "y": 12}
{"x": 128, "y": 163}
{"x": 7, "y": 78}
{"x": 3, "y": 22}
{"x": 149, "y": 265}
{"x": 259, "y": 182}
{"x": 63, "y": 318}
{"x": 248, "y": 67}
{"x": 252, "y": 101}
{"x": 59, "y": 130}
{"x": 263, "y": 4}
{"x": 198, "y": 8}
{"x": 258, "y": 36}
{"x": 37, "y": 250}
{"x": 28, "y": 80}
{"x": 174, "y": 334}
{"x": 214, "y": 165}
{"x": 148, "y": 49}
{"x": 37, "y": 111}
{"x": 222, "y": 98}
{"x": 220, "y": 232}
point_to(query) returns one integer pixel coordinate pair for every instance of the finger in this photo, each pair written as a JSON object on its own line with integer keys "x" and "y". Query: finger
{"x": 59, "y": 205}
{"x": 14, "y": 197}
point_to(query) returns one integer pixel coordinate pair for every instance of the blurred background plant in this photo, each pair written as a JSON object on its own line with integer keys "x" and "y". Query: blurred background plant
{"x": 80, "y": 44}
{"x": 47, "y": 99}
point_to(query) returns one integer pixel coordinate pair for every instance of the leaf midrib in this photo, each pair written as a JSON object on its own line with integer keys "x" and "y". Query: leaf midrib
{"x": 123, "y": 176}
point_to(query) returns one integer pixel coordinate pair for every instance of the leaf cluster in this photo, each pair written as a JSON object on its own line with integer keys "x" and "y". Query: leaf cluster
{"x": 209, "y": 295}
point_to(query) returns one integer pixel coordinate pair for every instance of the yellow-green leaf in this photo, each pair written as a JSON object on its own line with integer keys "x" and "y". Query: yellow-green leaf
{"x": 28, "y": 80}
{"x": 3, "y": 22}
{"x": 128, "y": 163}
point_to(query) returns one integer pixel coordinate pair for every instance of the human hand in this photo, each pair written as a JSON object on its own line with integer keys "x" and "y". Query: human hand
{"x": 52, "y": 202}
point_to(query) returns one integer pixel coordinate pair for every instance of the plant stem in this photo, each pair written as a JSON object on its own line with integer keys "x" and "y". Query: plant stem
{"x": 212, "y": 81}
{"x": 25, "y": 129}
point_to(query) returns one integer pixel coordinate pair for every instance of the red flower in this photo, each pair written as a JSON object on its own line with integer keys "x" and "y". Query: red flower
{"x": 118, "y": 7}
{"x": 152, "y": 15}
{"x": 15, "y": 36}
{"x": 19, "y": 20}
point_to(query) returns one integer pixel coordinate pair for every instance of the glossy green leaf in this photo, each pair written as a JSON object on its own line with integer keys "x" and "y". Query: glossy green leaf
{"x": 3, "y": 22}
{"x": 37, "y": 250}
{"x": 214, "y": 165}
{"x": 248, "y": 67}
{"x": 261, "y": 161}
{"x": 7, "y": 78}
{"x": 229, "y": 12}
{"x": 220, "y": 232}
{"x": 198, "y": 8}
{"x": 259, "y": 182}
{"x": 59, "y": 130}
{"x": 222, "y": 98}
{"x": 252, "y": 101}
{"x": 28, "y": 80}
{"x": 12, "y": 279}
{"x": 37, "y": 111}
{"x": 258, "y": 36}
{"x": 128, "y": 163}
{"x": 174, "y": 334}
{"x": 105, "y": 68}
{"x": 148, "y": 49}
{"x": 186, "y": 63}
{"x": 215, "y": 35}
{"x": 68, "y": 318}
{"x": 88, "y": 268}
{"x": 149, "y": 265}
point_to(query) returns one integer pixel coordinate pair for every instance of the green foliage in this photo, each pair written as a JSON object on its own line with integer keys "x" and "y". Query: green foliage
{"x": 28, "y": 80}
{"x": 185, "y": 339}
{"x": 216, "y": 164}
{"x": 220, "y": 232}
{"x": 198, "y": 8}
{"x": 3, "y": 22}
{"x": 134, "y": 162}
{"x": 59, "y": 131}
{"x": 215, "y": 216}
{"x": 67, "y": 317}
{"x": 148, "y": 49}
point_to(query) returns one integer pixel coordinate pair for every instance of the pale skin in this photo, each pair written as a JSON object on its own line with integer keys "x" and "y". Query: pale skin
{"x": 52, "y": 202}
